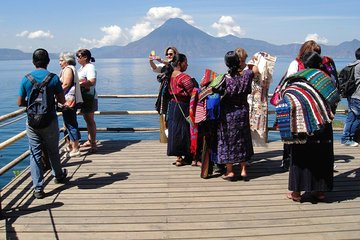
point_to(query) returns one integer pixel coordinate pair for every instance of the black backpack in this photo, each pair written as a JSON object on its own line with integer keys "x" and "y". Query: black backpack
{"x": 346, "y": 81}
{"x": 40, "y": 106}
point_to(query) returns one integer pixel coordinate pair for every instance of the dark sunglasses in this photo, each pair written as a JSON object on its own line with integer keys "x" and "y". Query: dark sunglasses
{"x": 78, "y": 56}
{"x": 169, "y": 54}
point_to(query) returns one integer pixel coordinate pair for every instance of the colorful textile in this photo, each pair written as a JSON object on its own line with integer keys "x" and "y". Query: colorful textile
{"x": 320, "y": 81}
{"x": 233, "y": 133}
{"x": 328, "y": 66}
{"x": 193, "y": 127}
{"x": 307, "y": 99}
{"x": 213, "y": 107}
{"x": 258, "y": 99}
{"x": 181, "y": 86}
{"x": 218, "y": 81}
{"x": 205, "y": 92}
{"x": 209, "y": 76}
{"x": 200, "y": 114}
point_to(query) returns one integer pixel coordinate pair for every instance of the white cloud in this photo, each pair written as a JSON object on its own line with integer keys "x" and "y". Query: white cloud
{"x": 316, "y": 38}
{"x": 161, "y": 14}
{"x": 40, "y": 34}
{"x": 113, "y": 35}
{"x": 226, "y": 25}
{"x": 154, "y": 18}
{"x": 140, "y": 30}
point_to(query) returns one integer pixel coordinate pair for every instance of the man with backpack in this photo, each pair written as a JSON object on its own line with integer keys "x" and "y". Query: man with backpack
{"x": 37, "y": 92}
{"x": 352, "y": 121}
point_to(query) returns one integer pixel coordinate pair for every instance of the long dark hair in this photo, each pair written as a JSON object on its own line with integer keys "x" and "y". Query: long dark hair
{"x": 232, "y": 61}
{"x": 178, "y": 58}
{"x": 85, "y": 53}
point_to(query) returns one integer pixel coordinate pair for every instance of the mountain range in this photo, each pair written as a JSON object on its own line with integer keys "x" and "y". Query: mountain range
{"x": 195, "y": 43}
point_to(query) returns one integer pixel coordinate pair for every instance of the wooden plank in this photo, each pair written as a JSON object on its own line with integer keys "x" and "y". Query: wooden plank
{"x": 131, "y": 190}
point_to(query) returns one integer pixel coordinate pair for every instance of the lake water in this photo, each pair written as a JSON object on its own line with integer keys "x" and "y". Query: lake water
{"x": 115, "y": 76}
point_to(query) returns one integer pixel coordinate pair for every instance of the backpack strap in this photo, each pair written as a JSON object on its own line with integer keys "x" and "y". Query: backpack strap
{"x": 46, "y": 80}
{"x": 30, "y": 78}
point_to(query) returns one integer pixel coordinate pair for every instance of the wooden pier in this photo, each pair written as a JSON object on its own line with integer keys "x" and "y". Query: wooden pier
{"x": 131, "y": 190}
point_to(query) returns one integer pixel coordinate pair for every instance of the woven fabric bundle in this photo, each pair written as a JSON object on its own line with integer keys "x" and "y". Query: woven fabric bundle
{"x": 307, "y": 99}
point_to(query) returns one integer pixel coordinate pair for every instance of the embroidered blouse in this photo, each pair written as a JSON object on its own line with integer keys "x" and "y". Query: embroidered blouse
{"x": 181, "y": 86}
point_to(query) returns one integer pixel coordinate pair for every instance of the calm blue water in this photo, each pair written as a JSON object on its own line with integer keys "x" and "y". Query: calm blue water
{"x": 115, "y": 76}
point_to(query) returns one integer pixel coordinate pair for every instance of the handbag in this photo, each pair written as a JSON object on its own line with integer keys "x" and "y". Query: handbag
{"x": 276, "y": 97}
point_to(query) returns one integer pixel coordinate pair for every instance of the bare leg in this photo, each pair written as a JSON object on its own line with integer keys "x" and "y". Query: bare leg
{"x": 229, "y": 170}
{"x": 91, "y": 127}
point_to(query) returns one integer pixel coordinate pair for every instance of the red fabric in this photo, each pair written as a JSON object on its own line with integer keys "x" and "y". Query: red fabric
{"x": 300, "y": 64}
{"x": 182, "y": 86}
{"x": 193, "y": 128}
{"x": 208, "y": 77}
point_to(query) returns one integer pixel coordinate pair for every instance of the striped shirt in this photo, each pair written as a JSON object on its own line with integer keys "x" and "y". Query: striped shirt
{"x": 182, "y": 86}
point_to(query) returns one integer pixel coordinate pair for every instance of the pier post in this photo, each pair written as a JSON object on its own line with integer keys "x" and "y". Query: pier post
{"x": 163, "y": 137}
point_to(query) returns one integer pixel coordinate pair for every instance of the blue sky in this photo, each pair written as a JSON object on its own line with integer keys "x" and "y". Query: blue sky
{"x": 67, "y": 25}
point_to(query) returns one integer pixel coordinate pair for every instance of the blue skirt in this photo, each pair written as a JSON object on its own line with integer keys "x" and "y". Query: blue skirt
{"x": 179, "y": 130}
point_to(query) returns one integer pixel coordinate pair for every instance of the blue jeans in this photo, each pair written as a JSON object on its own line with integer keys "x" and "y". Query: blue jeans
{"x": 352, "y": 121}
{"x": 71, "y": 124}
{"x": 45, "y": 138}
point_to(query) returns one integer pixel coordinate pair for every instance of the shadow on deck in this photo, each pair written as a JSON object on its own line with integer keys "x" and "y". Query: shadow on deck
{"x": 131, "y": 190}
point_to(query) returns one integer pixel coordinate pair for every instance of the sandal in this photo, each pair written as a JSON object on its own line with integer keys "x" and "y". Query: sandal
{"x": 179, "y": 159}
{"x": 295, "y": 196}
{"x": 196, "y": 163}
{"x": 231, "y": 178}
{"x": 86, "y": 144}
{"x": 180, "y": 162}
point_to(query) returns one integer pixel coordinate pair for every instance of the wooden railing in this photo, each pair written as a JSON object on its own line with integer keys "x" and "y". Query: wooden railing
{"x": 22, "y": 134}
{"x": 161, "y": 128}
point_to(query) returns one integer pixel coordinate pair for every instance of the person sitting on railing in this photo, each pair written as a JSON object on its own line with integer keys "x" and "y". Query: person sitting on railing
{"x": 46, "y": 135}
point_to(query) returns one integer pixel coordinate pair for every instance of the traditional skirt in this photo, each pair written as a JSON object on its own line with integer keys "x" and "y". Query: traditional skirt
{"x": 312, "y": 164}
{"x": 179, "y": 130}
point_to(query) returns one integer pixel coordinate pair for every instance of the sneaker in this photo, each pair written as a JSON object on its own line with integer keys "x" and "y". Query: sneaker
{"x": 351, "y": 143}
{"x": 65, "y": 150}
{"x": 75, "y": 154}
{"x": 39, "y": 194}
{"x": 62, "y": 179}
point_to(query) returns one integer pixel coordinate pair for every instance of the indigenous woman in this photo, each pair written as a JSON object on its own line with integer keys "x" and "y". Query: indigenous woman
{"x": 295, "y": 66}
{"x": 233, "y": 132}
{"x": 312, "y": 162}
{"x": 181, "y": 86}
{"x": 87, "y": 76}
